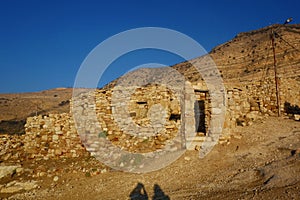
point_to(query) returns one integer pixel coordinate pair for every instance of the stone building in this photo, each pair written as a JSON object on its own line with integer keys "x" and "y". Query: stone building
{"x": 184, "y": 112}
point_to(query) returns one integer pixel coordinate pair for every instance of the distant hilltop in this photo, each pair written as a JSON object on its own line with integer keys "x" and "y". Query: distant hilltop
{"x": 249, "y": 56}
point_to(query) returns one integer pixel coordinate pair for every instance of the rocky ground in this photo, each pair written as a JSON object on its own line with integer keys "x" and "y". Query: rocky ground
{"x": 261, "y": 162}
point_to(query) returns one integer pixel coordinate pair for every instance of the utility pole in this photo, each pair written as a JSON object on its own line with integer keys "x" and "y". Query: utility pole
{"x": 273, "y": 36}
{"x": 275, "y": 72}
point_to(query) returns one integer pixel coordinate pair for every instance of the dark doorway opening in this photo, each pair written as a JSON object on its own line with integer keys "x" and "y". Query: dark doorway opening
{"x": 199, "y": 109}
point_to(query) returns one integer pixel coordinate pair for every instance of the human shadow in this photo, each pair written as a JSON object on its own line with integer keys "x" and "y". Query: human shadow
{"x": 139, "y": 193}
{"x": 159, "y": 194}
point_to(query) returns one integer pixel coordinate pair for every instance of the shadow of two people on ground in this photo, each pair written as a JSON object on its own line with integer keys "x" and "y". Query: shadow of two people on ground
{"x": 140, "y": 193}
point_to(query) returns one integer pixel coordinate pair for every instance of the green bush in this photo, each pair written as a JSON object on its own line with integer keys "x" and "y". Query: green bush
{"x": 102, "y": 134}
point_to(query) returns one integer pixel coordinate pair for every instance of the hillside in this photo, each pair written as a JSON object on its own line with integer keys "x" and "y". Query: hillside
{"x": 249, "y": 56}
{"x": 15, "y": 108}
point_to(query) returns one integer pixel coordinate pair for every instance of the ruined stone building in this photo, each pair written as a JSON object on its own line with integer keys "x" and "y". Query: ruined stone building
{"x": 180, "y": 115}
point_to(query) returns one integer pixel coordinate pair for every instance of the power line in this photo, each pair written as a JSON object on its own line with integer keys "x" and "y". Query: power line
{"x": 277, "y": 34}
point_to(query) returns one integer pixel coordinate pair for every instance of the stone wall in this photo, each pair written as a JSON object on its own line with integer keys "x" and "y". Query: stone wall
{"x": 52, "y": 136}
{"x": 141, "y": 122}
{"x": 46, "y": 137}
{"x": 150, "y": 118}
{"x": 250, "y": 101}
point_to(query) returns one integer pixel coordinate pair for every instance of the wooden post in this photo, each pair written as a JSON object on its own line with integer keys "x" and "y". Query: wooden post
{"x": 275, "y": 72}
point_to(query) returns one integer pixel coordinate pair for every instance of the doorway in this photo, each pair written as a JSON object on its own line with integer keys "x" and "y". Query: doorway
{"x": 199, "y": 108}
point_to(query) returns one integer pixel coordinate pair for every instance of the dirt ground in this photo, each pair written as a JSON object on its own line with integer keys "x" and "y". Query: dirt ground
{"x": 263, "y": 164}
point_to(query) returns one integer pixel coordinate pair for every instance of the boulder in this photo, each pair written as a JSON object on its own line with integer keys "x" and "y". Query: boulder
{"x": 7, "y": 171}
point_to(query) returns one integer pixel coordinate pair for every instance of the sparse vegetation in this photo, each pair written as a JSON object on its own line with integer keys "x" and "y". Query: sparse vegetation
{"x": 103, "y": 134}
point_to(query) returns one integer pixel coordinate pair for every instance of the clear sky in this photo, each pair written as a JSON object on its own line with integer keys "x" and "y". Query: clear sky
{"x": 43, "y": 43}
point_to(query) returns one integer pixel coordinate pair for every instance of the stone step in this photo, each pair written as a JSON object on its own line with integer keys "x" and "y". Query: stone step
{"x": 193, "y": 145}
{"x": 196, "y": 139}
{"x": 195, "y": 142}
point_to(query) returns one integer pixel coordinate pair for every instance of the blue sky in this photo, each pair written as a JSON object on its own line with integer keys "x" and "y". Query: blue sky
{"x": 43, "y": 43}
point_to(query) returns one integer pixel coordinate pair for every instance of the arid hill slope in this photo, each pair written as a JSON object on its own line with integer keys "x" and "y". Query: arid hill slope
{"x": 15, "y": 108}
{"x": 249, "y": 56}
